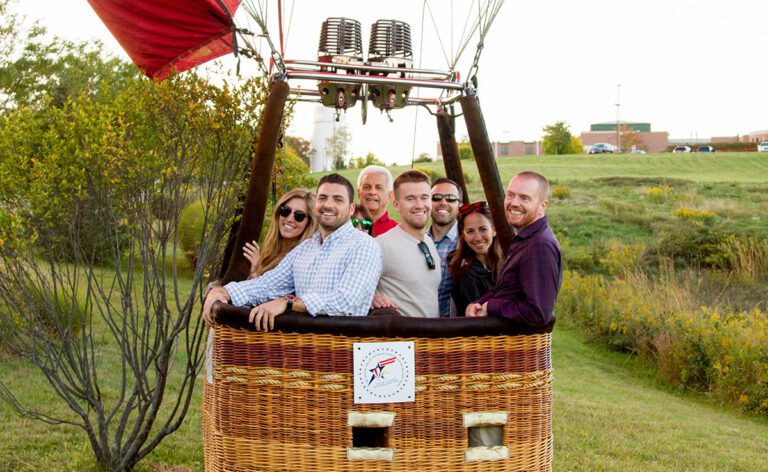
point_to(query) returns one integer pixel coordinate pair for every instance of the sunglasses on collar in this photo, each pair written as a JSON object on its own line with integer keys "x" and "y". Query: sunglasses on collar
{"x": 365, "y": 224}
{"x": 427, "y": 255}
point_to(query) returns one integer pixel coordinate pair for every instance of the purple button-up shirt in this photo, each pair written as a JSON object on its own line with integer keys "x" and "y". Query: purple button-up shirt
{"x": 530, "y": 278}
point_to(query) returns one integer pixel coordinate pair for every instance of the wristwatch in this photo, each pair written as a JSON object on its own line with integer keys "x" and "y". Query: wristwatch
{"x": 289, "y": 299}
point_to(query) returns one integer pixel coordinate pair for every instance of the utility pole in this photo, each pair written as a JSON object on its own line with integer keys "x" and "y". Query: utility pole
{"x": 618, "y": 122}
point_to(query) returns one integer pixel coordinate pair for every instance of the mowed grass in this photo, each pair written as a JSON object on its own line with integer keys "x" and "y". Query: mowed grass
{"x": 716, "y": 167}
{"x": 610, "y": 413}
{"x": 722, "y": 167}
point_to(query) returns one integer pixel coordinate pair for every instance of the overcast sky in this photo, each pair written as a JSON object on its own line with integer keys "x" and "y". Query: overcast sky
{"x": 692, "y": 68}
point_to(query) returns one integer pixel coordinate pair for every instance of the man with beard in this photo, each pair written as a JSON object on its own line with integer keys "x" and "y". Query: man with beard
{"x": 530, "y": 278}
{"x": 374, "y": 187}
{"x": 410, "y": 274}
{"x": 334, "y": 272}
{"x": 446, "y": 197}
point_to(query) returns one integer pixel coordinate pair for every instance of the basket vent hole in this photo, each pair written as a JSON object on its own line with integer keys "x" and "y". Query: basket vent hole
{"x": 370, "y": 437}
{"x": 485, "y": 435}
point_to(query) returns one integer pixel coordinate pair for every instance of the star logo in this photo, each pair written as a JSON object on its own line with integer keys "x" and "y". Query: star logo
{"x": 378, "y": 371}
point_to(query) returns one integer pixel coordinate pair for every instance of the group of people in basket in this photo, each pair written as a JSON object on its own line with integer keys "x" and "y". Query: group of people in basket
{"x": 326, "y": 255}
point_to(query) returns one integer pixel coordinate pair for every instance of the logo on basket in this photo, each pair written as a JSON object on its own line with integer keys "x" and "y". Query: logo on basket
{"x": 378, "y": 371}
{"x": 384, "y": 372}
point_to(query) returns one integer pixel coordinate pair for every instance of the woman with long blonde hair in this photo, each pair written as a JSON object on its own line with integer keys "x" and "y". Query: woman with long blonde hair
{"x": 292, "y": 223}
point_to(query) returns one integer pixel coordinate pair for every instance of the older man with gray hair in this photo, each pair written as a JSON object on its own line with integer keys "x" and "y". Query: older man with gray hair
{"x": 374, "y": 188}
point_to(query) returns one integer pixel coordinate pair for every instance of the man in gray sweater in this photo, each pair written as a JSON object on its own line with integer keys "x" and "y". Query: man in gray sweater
{"x": 410, "y": 274}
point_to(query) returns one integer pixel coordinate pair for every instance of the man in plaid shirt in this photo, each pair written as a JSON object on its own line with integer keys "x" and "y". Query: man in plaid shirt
{"x": 334, "y": 272}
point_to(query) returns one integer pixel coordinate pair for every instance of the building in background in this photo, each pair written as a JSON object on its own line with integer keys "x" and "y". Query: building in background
{"x": 517, "y": 148}
{"x": 633, "y": 133}
{"x": 751, "y": 137}
{"x": 509, "y": 149}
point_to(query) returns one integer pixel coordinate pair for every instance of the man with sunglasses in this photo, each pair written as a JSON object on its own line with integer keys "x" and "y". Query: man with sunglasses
{"x": 530, "y": 277}
{"x": 410, "y": 273}
{"x": 334, "y": 272}
{"x": 446, "y": 198}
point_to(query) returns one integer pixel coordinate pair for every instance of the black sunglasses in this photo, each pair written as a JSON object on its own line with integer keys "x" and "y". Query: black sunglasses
{"x": 285, "y": 211}
{"x": 365, "y": 224}
{"x": 472, "y": 206}
{"x": 436, "y": 197}
{"x": 425, "y": 250}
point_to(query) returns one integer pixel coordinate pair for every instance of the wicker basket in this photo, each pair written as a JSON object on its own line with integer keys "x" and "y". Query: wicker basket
{"x": 280, "y": 401}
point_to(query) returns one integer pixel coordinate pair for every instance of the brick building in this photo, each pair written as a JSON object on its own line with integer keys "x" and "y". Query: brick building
{"x": 751, "y": 137}
{"x": 652, "y": 141}
{"x": 509, "y": 149}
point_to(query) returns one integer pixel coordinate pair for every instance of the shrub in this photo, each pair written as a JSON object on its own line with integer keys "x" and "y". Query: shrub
{"x": 659, "y": 194}
{"x": 692, "y": 214}
{"x": 61, "y": 317}
{"x": 433, "y": 174}
{"x": 721, "y": 352}
{"x": 621, "y": 208}
{"x": 745, "y": 255}
{"x": 191, "y": 230}
{"x": 423, "y": 157}
{"x": 621, "y": 258}
{"x": 692, "y": 244}
{"x": 580, "y": 258}
{"x": 561, "y": 192}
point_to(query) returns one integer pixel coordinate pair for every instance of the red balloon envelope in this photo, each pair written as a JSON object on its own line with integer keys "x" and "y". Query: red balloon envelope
{"x": 160, "y": 35}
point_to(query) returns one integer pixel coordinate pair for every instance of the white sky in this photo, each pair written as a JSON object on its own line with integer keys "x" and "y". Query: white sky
{"x": 694, "y": 68}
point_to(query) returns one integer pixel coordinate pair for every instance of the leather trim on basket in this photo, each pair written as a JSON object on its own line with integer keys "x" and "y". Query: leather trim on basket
{"x": 384, "y": 325}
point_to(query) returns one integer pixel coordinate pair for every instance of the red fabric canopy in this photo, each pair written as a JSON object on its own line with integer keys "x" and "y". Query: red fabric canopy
{"x": 160, "y": 35}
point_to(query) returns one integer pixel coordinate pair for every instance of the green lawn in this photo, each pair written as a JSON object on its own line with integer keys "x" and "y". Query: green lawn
{"x": 723, "y": 167}
{"x": 717, "y": 167}
{"x": 609, "y": 412}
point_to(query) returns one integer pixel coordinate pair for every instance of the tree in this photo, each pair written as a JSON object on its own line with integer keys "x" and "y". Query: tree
{"x": 119, "y": 172}
{"x": 630, "y": 138}
{"x": 301, "y": 146}
{"x": 337, "y": 146}
{"x": 39, "y": 72}
{"x": 465, "y": 150}
{"x": 576, "y": 146}
{"x": 370, "y": 159}
{"x": 423, "y": 157}
{"x": 559, "y": 140}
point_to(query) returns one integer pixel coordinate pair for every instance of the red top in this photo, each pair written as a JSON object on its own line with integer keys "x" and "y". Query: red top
{"x": 383, "y": 224}
{"x": 160, "y": 35}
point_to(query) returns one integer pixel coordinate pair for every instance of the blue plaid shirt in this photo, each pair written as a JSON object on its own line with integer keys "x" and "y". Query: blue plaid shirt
{"x": 334, "y": 277}
{"x": 444, "y": 247}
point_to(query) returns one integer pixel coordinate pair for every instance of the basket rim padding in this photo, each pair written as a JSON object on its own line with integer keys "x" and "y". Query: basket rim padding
{"x": 385, "y": 325}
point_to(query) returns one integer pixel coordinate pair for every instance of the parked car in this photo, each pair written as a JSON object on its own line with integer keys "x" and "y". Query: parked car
{"x": 637, "y": 151}
{"x": 679, "y": 149}
{"x": 705, "y": 149}
{"x": 601, "y": 148}
{"x": 762, "y": 147}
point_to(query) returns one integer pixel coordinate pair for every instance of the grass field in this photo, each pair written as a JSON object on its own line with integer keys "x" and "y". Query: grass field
{"x": 723, "y": 167}
{"x": 610, "y": 412}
